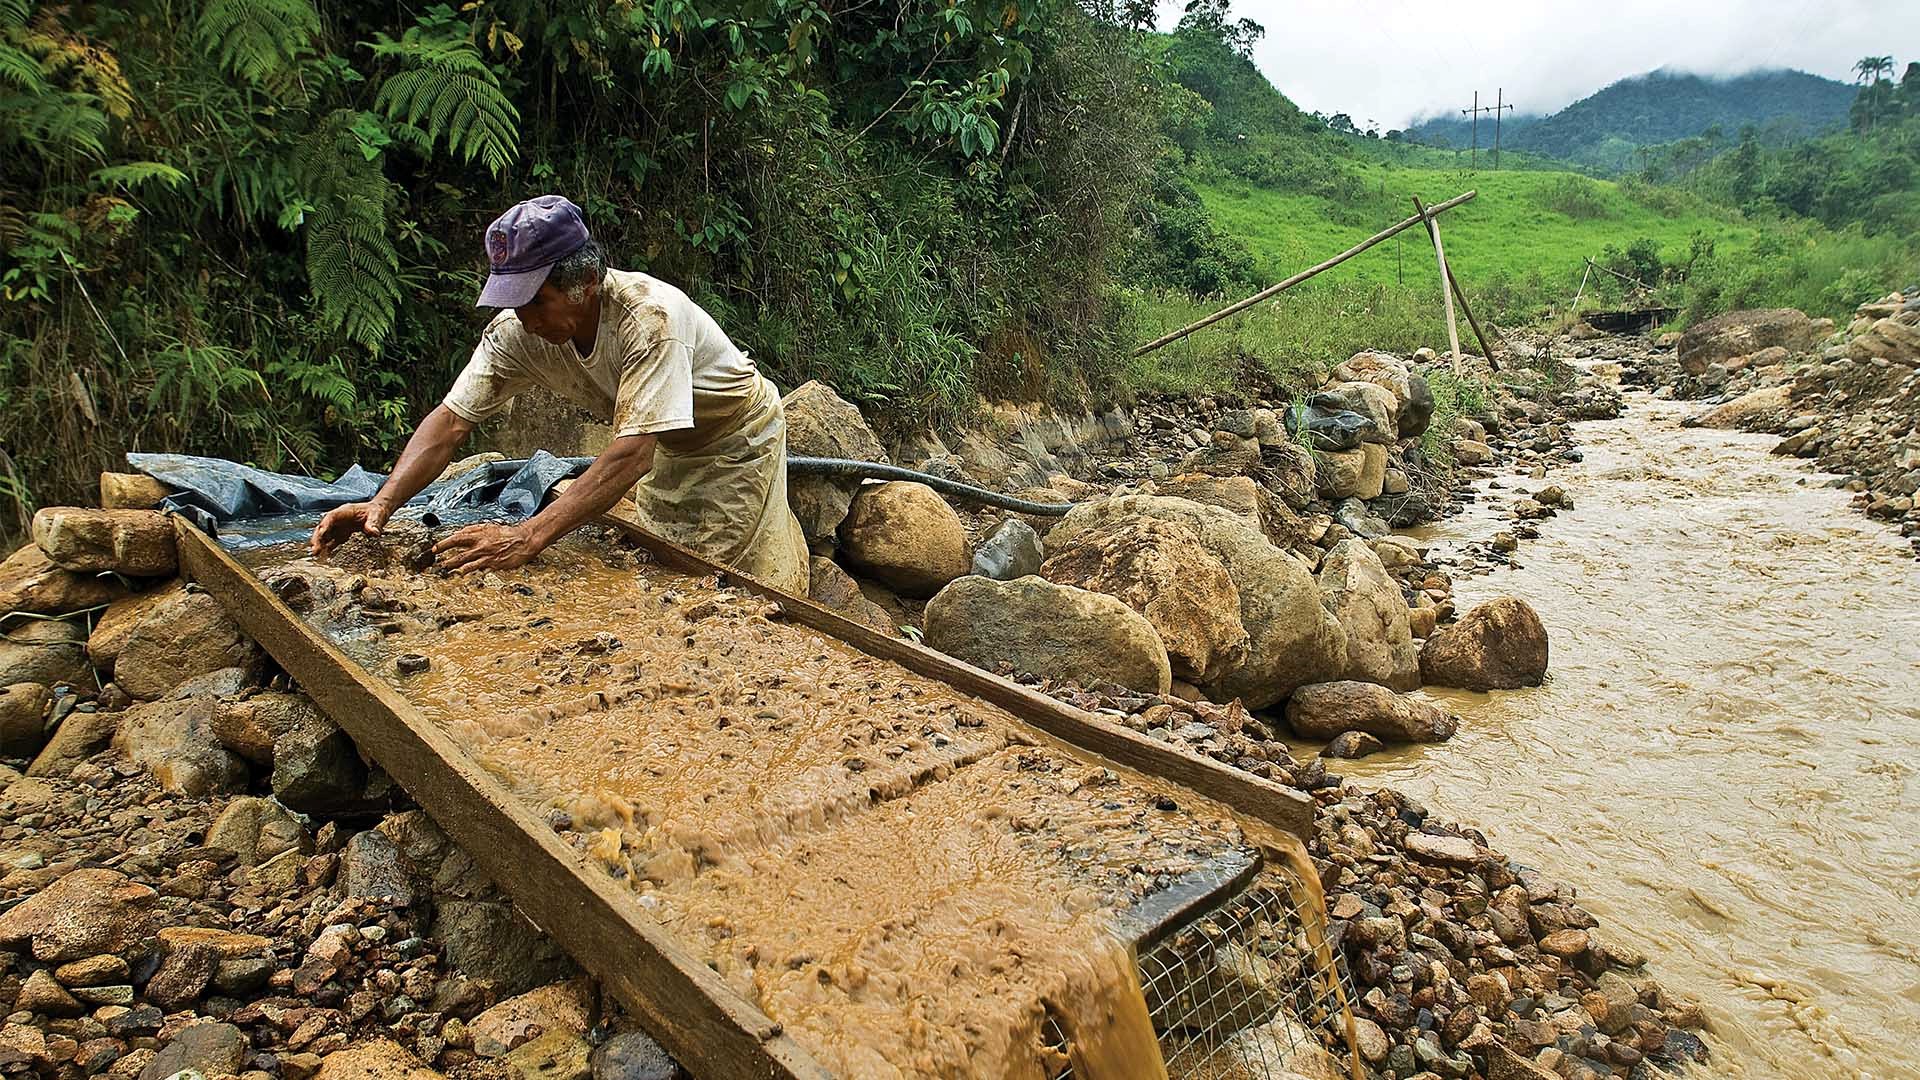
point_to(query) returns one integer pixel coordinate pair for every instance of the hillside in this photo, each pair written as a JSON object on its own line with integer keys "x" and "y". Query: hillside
{"x": 1602, "y": 132}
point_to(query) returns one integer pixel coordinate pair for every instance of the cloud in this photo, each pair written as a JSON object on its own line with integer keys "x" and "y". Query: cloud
{"x": 1393, "y": 61}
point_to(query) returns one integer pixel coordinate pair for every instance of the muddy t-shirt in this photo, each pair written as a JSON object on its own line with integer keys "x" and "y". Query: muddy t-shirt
{"x": 659, "y": 365}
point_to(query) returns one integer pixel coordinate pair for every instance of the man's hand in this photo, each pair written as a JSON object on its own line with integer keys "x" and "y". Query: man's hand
{"x": 344, "y": 522}
{"x": 486, "y": 547}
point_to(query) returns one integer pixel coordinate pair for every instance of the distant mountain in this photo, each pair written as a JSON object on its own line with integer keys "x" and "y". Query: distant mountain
{"x": 1603, "y": 130}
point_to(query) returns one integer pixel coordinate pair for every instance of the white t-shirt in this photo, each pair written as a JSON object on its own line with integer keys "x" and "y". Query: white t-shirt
{"x": 659, "y": 364}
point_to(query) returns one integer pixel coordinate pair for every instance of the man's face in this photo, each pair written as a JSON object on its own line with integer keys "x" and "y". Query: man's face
{"x": 550, "y": 316}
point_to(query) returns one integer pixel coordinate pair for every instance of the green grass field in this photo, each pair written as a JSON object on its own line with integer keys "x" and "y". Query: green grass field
{"x": 1527, "y": 230}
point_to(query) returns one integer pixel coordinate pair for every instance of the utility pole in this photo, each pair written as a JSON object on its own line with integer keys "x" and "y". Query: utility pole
{"x": 1496, "y": 109}
{"x": 1499, "y": 106}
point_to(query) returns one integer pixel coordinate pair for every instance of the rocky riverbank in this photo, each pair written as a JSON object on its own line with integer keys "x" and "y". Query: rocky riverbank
{"x": 1845, "y": 397}
{"x": 254, "y": 899}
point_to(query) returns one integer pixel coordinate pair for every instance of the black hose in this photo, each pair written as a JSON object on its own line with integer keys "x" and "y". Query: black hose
{"x": 818, "y": 466}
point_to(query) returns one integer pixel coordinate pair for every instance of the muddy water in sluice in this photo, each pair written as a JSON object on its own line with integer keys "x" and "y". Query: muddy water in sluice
{"x": 904, "y": 877}
{"x": 1723, "y": 756}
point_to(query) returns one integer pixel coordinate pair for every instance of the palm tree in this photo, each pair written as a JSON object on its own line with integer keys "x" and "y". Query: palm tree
{"x": 1872, "y": 68}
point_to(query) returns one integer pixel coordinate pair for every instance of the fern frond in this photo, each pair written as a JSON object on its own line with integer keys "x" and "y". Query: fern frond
{"x": 21, "y": 70}
{"x": 87, "y": 66}
{"x": 258, "y": 40}
{"x": 448, "y": 90}
{"x": 134, "y": 173}
{"x": 15, "y": 12}
{"x": 55, "y": 124}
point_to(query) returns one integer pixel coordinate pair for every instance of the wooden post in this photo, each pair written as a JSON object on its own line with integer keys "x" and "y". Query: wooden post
{"x": 1275, "y": 290}
{"x": 1486, "y": 350}
{"x": 1446, "y": 281}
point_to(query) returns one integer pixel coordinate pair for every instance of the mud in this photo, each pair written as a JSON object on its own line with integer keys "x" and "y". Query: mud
{"x": 905, "y": 878}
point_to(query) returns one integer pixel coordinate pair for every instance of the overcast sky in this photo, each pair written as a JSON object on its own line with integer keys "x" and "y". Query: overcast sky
{"x": 1392, "y": 61}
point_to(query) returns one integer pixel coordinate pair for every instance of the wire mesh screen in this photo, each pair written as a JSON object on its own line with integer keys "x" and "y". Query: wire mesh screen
{"x": 1241, "y": 993}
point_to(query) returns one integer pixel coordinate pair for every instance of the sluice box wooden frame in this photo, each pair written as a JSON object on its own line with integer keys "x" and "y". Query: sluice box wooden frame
{"x": 708, "y": 1026}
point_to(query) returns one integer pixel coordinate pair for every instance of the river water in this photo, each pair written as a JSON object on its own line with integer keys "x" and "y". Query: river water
{"x": 1723, "y": 756}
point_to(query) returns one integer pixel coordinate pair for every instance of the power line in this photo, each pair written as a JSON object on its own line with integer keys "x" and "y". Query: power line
{"x": 1499, "y": 106}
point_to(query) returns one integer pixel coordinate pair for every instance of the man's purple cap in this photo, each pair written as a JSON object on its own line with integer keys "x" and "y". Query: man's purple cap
{"x": 524, "y": 243}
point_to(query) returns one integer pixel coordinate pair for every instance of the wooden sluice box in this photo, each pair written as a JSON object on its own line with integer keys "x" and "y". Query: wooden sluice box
{"x": 794, "y": 846}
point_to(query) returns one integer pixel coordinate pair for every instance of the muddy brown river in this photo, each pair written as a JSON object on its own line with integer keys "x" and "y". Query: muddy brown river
{"x": 1723, "y": 756}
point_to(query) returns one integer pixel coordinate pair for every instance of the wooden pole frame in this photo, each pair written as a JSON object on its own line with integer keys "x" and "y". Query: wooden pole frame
{"x": 1486, "y": 350}
{"x": 1446, "y": 278}
{"x": 1274, "y": 290}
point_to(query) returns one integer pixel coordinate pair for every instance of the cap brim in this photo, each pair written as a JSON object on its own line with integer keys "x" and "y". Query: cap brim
{"x": 512, "y": 290}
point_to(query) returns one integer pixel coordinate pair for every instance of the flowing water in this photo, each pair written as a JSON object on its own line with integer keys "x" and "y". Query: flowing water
{"x": 1723, "y": 755}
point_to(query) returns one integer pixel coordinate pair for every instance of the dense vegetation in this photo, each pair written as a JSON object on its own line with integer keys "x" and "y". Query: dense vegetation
{"x": 250, "y": 227}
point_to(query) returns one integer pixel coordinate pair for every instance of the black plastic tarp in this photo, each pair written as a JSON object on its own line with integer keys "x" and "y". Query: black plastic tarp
{"x": 246, "y": 506}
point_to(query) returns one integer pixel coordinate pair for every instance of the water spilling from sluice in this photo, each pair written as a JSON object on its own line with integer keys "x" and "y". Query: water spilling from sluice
{"x": 1723, "y": 758}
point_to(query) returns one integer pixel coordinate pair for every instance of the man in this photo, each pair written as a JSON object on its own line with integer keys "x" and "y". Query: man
{"x": 695, "y": 424}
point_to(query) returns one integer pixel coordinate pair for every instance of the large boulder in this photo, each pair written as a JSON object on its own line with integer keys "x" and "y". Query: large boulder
{"x": 820, "y": 423}
{"x": 1738, "y": 333}
{"x": 31, "y": 583}
{"x": 371, "y": 1059}
{"x": 174, "y": 741}
{"x": 131, "y": 491}
{"x": 81, "y": 734}
{"x": 1747, "y": 407}
{"x": 86, "y": 913}
{"x": 1381, "y": 369}
{"x": 1354, "y": 474}
{"x": 1888, "y": 338}
{"x": 830, "y": 586}
{"x": 1161, "y": 570}
{"x": 204, "y": 1050}
{"x": 23, "y": 719}
{"x": 1053, "y": 631}
{"x": 1373, "y": 613}
{"x": 1500, "y": 645}
{"x": 316, "y": 768}
{"x": 1237, "y": 494}
{"x": 1324, "y": 710}
{"x": 1292, "y": 638}
{"x": 1416, "y": 412}
{"x": 50, "y": 652}
{"x": 256, "y": 830}
{"x": 138, "y": 543}
{"x": 116, "y": 623}
{"x": 183, "y": 636}
{"x": 905, "y": 535}
{"x": 1371, "y": 400}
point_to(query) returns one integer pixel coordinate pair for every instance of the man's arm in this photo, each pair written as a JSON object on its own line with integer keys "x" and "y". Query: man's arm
{"x": 504, "y": 547}
{"x": 425, "y": 457}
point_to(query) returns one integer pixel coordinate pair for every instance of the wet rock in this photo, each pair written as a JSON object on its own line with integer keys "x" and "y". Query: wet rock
{"x": 318, "y": 770}
{"x": 1161, "y": 570}
{"x": 1446, "y": 850}
{"x": 173, "y": 741}
{"x": 1351, "y": 745}
{"x": 820, "y": 423}
{"x": 1373, "y": 613}
{"x": 184, "y": 636}
{"x": 1499, "y": 645}
{"x": 51, "y": 652}
{"x": 1053, "y": 631}
{"x": 1565, "y": 944}
{"x": 85, "y": 913}
{"x": 137, "y": 543}
{"x": 1471, "y": 452}
{"x": 557, "y": 1055}
{"x": 1357, "y": 518}
{"x": 1504, "y": 1064}
{"x": 23, "y": 719}
{"x": 1370, "y": 1040}
{"x": 558, "y": 1007}
{"x": 1329, "y": 430}
{"x": 633, "y": 1056}
{"x": 832, "y": 587}
{"x": 1746, "y": 408}
{"x": 256, "y": 830}
{"x": 906, "y": 536}
{"x": 1012, "y": 550}
{"x": 183, "y": 976}
{"x": 1292, "y": 639}
{"x": 210, "y": 1049}
{"x": 1323, "y": 710}
{"x": 1739, "y": 333}
{"x": 30, "y": 582}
